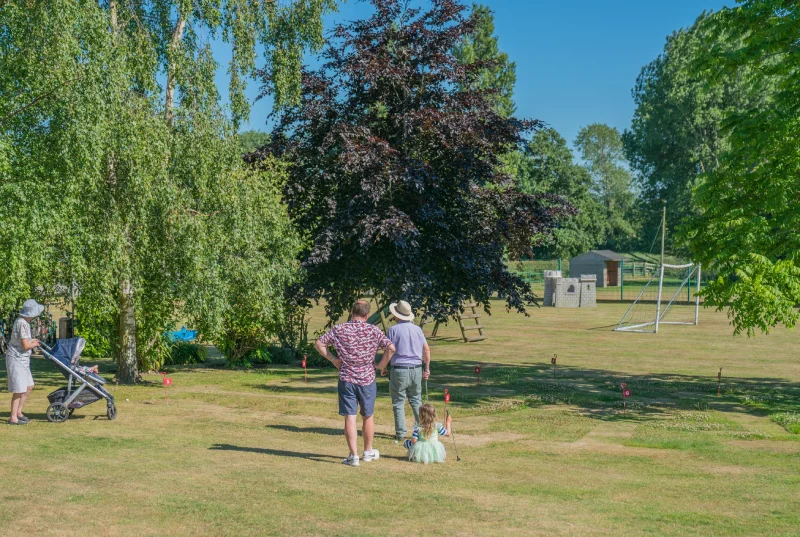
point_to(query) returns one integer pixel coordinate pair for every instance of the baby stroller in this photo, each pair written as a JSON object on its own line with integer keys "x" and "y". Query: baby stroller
{"x": 83, "y": 387}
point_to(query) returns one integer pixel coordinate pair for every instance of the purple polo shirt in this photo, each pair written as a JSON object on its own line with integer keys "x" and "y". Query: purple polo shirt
{"x": 408, "y": 341}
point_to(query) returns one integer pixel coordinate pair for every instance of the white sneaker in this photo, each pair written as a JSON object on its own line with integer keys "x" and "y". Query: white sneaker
{"x": 373, "y": 455}
{"x": 352, "y": 460}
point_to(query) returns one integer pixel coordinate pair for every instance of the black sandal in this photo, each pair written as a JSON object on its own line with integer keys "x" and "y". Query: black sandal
{"x": 17, "y": 422}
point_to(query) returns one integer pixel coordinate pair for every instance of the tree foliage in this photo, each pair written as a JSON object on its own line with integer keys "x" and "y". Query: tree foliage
{"x": 547, "y": 166}
{"x": 600, "y": 147}
{"x": 497, "y": 74}
{"x": 677, "y": 130}
{"x": 395, "y": 180}
{"x": 138, "y": 203}
{"x": 249, "y": 141}
{"x": 748, "y": 205}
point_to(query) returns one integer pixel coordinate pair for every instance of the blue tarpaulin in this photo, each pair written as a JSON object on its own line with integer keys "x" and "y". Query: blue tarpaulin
{"x": 182, "y": 335}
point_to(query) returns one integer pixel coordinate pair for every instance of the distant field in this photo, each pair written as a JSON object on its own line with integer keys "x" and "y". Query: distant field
{"x": 241, "y": 453}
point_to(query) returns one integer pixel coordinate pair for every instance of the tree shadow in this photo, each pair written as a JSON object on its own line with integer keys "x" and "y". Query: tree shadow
{"x": 593, "y": 392}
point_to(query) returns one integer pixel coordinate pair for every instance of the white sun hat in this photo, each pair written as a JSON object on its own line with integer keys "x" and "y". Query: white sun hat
{"x": 402, "y": 310}
{"x": 31, "y": 309}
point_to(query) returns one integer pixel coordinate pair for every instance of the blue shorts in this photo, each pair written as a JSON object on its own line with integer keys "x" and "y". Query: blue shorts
{"x": 351, "y": 396}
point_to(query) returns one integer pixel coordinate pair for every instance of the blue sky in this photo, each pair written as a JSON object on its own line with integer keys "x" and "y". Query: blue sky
{"x": 577, "y": 60}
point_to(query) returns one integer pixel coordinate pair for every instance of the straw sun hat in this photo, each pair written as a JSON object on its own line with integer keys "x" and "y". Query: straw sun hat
{"x": 402, "y": 310}
{"x": 31, "y": 309}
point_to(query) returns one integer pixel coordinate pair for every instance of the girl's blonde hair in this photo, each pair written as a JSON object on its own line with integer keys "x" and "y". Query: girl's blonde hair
{"x": 427, "y": 419}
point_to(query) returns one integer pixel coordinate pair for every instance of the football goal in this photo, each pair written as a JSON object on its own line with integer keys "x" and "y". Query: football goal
{"x": 670, "y": 296}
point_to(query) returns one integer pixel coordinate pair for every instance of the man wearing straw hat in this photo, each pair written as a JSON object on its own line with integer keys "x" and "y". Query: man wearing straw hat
{"x": 18, "y": 360}
{"x": 409, "y": 365}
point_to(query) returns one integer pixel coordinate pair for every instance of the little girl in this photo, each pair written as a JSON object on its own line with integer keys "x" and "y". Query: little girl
{"x": 424, "y": 446}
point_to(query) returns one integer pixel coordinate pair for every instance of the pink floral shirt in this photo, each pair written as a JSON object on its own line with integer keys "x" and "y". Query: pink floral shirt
{"x": 356, "y": 343}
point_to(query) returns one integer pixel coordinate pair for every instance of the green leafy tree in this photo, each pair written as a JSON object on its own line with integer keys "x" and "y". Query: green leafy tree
{"x": 547, "y": 166}
{"x": 601, "y": 150}
{"x": 497, "y": 73}
{"x": 677, "y": 130}
{"x": 134, "y": 194}
{"x": 748, "y": 204}
{"x": 249, "y": 141}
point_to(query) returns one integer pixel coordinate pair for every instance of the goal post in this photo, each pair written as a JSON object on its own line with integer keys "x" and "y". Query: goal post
{"x": 659, "y": 302}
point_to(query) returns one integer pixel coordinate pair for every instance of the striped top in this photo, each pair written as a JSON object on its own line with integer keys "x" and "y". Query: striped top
{"x": 419, "y": 437}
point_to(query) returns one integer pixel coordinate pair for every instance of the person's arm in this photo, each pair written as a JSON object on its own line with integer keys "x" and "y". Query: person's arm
{"x": 25, "y": 338}
{"x": 426, "y": 361}
{"x": 387, "y": 357}
{"x": 448, "y": 424}
{"x": 413, "y": 440}
{"x": 321, "y": 345}
{"x": 28, "y": 344}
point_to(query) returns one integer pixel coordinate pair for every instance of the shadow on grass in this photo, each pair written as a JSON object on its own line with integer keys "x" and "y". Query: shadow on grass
{"x": 330, "y": 431}
{"x": 596, "y": 393}
{"x": 316, "y": 457}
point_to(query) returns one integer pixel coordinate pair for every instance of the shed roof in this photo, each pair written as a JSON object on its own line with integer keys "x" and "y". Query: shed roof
{"x": 605, "y": 254}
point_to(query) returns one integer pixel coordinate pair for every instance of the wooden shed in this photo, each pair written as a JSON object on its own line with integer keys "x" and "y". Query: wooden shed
{"x": 604, "y": 264}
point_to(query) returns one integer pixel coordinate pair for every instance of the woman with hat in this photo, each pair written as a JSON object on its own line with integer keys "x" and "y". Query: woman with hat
{"x": 18, "y": 360}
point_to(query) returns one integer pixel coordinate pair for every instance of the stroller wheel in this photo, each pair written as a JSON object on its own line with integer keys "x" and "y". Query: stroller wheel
{"x": 57, "y": 412}
{"x": 112, "y": 412}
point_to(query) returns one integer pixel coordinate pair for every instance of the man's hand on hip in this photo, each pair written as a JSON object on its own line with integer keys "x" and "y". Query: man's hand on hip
{"x": 337, "y": 363}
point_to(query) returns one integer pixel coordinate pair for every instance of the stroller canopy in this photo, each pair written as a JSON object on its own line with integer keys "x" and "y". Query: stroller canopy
{"x": 68, "y": 351}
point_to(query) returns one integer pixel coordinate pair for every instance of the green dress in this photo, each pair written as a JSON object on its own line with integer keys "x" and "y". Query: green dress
{"x": 430, "y": 449}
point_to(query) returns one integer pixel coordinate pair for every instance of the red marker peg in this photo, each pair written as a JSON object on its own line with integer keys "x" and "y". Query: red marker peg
{"x": 446, "y": 397}
{"x": 478, "y": 372}
{"x": 625, "y": 394}
{"x": 167, "y": 382}
{"x": 305, "y": 371}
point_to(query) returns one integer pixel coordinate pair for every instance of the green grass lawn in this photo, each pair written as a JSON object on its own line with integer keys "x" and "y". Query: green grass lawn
{"x": 258, "y": 452}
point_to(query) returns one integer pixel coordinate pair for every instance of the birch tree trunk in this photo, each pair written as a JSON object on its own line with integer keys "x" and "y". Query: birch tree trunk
{"x": 169, "y": 103}
{"x": 127, "y": 363}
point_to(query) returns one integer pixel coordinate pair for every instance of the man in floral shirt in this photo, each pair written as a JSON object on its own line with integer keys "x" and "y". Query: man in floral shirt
{"x": 356, "y": 343}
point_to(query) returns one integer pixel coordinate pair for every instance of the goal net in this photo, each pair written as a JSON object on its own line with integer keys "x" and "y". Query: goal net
{"x": 670, "y": 296}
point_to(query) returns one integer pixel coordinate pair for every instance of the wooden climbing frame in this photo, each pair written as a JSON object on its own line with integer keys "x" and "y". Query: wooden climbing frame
{"x": 466, "y": 316}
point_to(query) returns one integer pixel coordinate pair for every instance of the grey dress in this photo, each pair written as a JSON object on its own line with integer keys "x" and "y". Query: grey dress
{"x": 18, "y": 361}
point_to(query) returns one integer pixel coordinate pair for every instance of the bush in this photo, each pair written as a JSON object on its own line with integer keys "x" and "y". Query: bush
{"x": 99, "y": 335}
{"x": 281, "y": 355}
{"x": 184, "y": 353}
{"x": 313, "y": 358}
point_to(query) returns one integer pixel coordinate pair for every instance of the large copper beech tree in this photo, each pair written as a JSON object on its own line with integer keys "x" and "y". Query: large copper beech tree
{"x": 395, "y": 182}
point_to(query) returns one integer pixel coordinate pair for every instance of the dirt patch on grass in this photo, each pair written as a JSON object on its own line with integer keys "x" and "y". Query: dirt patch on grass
{"x": 767, "y": 445}
{"x": 484, "y": 440}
